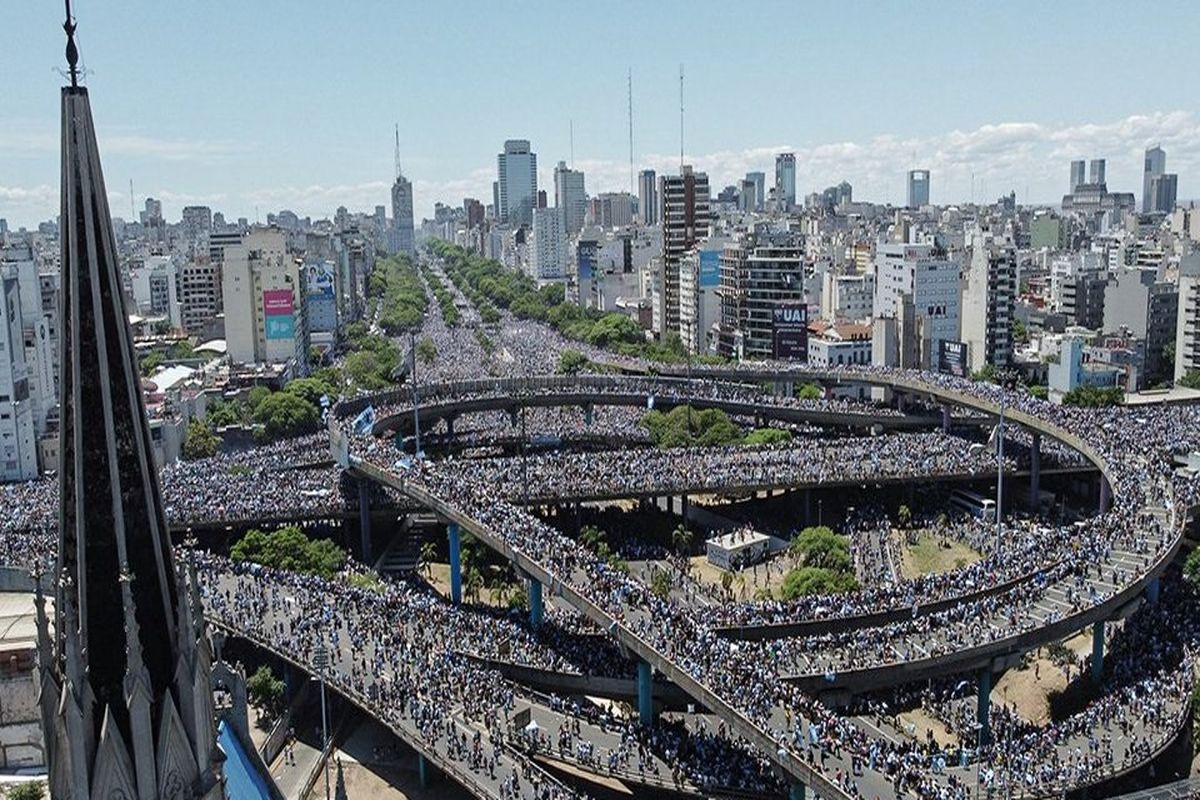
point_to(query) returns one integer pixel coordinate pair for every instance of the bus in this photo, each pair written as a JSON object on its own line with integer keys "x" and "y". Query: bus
{"x": 974, "y": 504}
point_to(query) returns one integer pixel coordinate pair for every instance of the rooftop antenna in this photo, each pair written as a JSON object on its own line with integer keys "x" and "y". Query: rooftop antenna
{"x": 681, "y": 119}
{"x": 398, "y": 173}
{"x": 630, "y": 93}
{"x": 72, "y": 50}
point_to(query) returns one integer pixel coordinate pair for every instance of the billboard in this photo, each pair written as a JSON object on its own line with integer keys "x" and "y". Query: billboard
{"x": 789, "y": 326}
{"x": 586, "y": 252}
{"x": 710, "y": 269}
{"x": 277, "y": 312}
{"x": 320, "y": 278}
{"x": 952, "y": 358}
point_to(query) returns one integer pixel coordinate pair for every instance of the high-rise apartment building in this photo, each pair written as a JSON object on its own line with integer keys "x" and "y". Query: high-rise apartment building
{"x": 18, "y": 431}
{"x": 648, "y": 197}
{"x": 1187, "y": 323}
{"x": 989, "y": 293}
{"x": 760, "y": 272}
{"x": 925, "y": 278}
{"x": 153, "y": 285}
{"x": 785, "y": 181}
{"x": 1078, "y": 175}
{"x": 263, "y": 290}
{"x": 548, "y": 252}
{"x": 516, "y": 185}
{"x": 199, "y": 295}
{"x": 570, "y": 197}
{"x": 1155, "y": 165}
{"x": 686, "y": 217}
{"x": 611, "y": 210}
{"x": 918, "y": 188}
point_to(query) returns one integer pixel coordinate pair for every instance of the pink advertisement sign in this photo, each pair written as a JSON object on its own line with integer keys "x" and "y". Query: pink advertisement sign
{"x": 277, "y": 302}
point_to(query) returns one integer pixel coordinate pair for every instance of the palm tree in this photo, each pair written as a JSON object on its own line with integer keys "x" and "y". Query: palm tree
{"x": 905, "y": 515}
{"x": 474, "y": 584}
{"x": 681, "y": 537}
{"x": 425, "y": 558}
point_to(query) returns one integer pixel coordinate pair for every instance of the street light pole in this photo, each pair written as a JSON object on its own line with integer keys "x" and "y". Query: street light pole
{"x": 1000, "y": 478}
{"x": 321, "y": 659}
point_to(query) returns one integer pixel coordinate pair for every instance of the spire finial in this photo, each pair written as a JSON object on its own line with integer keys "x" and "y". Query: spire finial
{"x": 72, "y": 50}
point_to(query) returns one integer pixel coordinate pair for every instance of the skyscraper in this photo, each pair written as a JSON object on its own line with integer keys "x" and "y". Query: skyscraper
{"x": 126, "y": 700}
{"x": 1163, "y": 189}
{"x": 785, "y": 181}
{"x": 1096, "y": 171}
{"x": 648, "y": 197}
{"x": 918, "y": 188}
{"x": 760, "y": 189}
{"x": 516, "y": 170}
{"x": 686, "y": 216}
{"x": 1156, "y": 164}
{"x": 400, "y": 239}
{"x": 988, "y": 295}
{"x": 1078, "y": 174}
{"x": 570, "y": 197}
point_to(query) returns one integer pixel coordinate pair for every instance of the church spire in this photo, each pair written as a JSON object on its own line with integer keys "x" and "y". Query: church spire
{"x": 111, "y": 689}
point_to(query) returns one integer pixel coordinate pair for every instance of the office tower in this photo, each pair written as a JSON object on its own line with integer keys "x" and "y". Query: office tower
{"x": 548, "y": 251}
{"x": 988, "y": 295}
{"x": 516, "y": 184}
{"x": 648, "y": 197}
{"x": 1139, "y": 305}
{"x": 686, "y": 217}
{"x": 748, "y": 195}
{"x": 263, "y": 292}
{"x": 1155, "y": 165}
{"x": 1096, "y": 171}
{"x": 759, "y": 180}
{"x": 785, "y": 181}
{"x": 199, "y": 295}
{"x": 918, "y": 188}
{"x": 1163, "y": 190}
{"x": 474, "y": 211}
{"x": 400, "y": 236}
{"x": 126, "y": 700}
{"x": 1078, "y": 174}
{"x": 924, "y": 277}
{"x": 151, "y": 213}
{"x": 611, "y": 210}
{"x": 570, "y": 197}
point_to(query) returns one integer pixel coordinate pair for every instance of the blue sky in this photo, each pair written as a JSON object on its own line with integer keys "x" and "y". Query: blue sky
{"x": 274, "y": 104}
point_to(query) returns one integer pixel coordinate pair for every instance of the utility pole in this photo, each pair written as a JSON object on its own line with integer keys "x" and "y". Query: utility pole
{"x": 321, "y": 661}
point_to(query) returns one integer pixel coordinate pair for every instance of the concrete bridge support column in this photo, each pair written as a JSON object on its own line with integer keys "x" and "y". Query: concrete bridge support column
{"x": 450, "y": 427}
{"x": 422, "y": 771}
{"x": 945, "y": 419}
{"x": 797, "y": 792}
{"x": 683, "y": 509}
{"x": 1098, "y": 651}
{"x": 645, "y": 693}
{"x": 1035, "y": 470}
{"x": 1105, "y": 492}
{"x": 1152, "y": 591}
{"x": 589, "y": 413}
{"x": 535, "y": 603}
{"x": 983, "y": 712}
{"x": 455, "y": 563}
{"x": 364, "y": 519}
{"x": 808, "y": 507}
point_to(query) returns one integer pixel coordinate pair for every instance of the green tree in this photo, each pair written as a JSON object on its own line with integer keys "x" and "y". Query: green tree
{"x": 681, "y": 539}
{"x": 310, "y": 389}
{"x": 1094, "y": 396}
{"x": 222, "y": 413}
{"x": 1040, "y": 392}
{"x": 427, "y": 554}
{"x": 815, "y": 580}
{"x": 426, "y": 350}
{"x": 1019, "y": 332}
{"x": 284, "y": 414}
{"x": 200, "y": 441}
{"x": 904, "y": 515}
{"x": 767, "y": 436}
{"x": 289, "y": 549}
{"x": 150, "y": 363}
{"x": 363, "y": 369}
{"x": 1191, "y": 567}
{"x": 29, "y": 790}
{"x": 570, "y": 362}
{"x": 819, "y": 546}
{"x": 255, "y": 396}
{"x": 591, "y": 537}
{"x": 1191, "y": 379}
{"x": 810, "y": 391}
{"x": 661, "y": 584}
{"x": 265, "y": 691}
{"x": 181, "y": 350}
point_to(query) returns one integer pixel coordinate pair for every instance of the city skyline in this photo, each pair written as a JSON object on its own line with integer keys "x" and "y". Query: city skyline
{"x": 872, "y": 127}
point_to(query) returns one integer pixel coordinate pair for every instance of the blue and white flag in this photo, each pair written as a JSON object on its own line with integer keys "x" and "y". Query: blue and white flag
{"x": 363, "y": 422}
